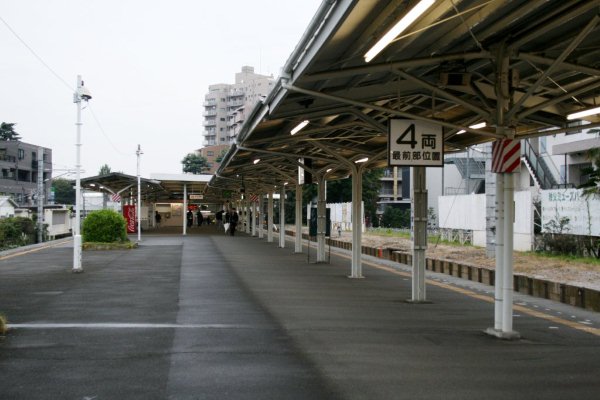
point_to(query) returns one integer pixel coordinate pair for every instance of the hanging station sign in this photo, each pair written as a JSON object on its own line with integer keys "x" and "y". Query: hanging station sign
{"x": 413, "y": 143}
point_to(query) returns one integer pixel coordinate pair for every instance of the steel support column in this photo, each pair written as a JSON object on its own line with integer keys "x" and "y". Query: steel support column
{"x": 356, "y": 269}
{"x": 298, "y": 237}
{"x": 321, "y": 217}
{"x": 247, "y": 216}
{"x": 270, "y": 218}
{"x": 499, "y": 251}
{"x": 185, "y": 206}
{"x": 282, "y": 217}
{"x": 254, "y": 216}
{"x": 261, "y": 217}
{"x": 507, "y": 280}
{"x": 419, "y": 210}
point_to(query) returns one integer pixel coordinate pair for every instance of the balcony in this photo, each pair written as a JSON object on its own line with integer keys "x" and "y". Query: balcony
{"x": 7, "y": 158}
{"x": 210, "y": 113}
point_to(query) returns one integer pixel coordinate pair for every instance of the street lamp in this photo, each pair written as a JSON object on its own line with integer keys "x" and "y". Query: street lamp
{"x": 139, "y": 195}
{"x": 81, "y": 94}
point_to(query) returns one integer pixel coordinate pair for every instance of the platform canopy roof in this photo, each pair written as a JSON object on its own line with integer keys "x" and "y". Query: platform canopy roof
{"x": 160, "y": 187}
{"x": 443, "y": 68}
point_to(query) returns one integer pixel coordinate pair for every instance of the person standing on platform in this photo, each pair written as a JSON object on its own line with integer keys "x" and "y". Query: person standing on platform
{"x": 190, "y": 218}
{"x": 233, "y": 221}
{"x": 199, "y": 218}
{"x": 157, "y": 218}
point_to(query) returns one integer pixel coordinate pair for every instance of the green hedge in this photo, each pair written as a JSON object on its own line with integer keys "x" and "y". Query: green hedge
{"x": 16, "y": 231}
{"x": 104, "y": 226}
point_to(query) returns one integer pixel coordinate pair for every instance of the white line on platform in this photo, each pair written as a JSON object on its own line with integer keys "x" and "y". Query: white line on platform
{"x": 110, "y": 325}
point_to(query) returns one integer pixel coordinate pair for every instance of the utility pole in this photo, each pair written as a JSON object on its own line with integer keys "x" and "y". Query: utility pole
{"x": 139, "y": 195}
{"x": 40, "y": 194}
{"x": 81, "y": 94}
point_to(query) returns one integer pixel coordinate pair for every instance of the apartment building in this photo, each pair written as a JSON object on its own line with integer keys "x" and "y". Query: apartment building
{"x": 226, "y": 106}
{"x": 213, "y": 155}
{"x": 19, "y": 171}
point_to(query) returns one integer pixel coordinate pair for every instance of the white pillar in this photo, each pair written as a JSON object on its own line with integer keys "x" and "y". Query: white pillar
{"x": 247, "y": 217}
{"x": 298, "y": 237}
{"x": 76, "y": 228}
{"x": 282, "y": 217}
{"x": 253, "y": 219}
{"x": 356, "y": 268}
{"x": 270, "y": 218}
{"x": 185, "y": 208}
{"x": 321, "y": 218}
{"x": 40, "y": 194}
{"x": 419, "y": 211}
{"x": 261, "y": 208}
{"x": 507, "y": 279}
{"x": 499, "y": 250}
{"x": 139, "y": 196}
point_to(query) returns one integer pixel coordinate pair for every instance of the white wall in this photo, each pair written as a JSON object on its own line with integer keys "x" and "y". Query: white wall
{"x": 583, "y": 212}
{"x": 58, "y": 220}
{"x": 468, "y": 212}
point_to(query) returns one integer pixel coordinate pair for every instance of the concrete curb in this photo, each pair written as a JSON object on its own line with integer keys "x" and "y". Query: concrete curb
{"x": 34, "y": 247}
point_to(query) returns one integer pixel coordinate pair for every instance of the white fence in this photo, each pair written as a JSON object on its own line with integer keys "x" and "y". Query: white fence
{"x": 467, "y": 212}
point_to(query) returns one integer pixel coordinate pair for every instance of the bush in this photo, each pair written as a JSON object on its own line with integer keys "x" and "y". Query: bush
{"x": 16, "y": 231}
{"x": 104, "y": 226}
{"x": 3, "y": 325}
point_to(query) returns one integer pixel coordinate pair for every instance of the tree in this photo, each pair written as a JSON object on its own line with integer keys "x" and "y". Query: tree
{"x": 104, "y": 170}
{"x": 221, "y": 156}
{"x": 341, "y": 192}
{"x": 592, "y": 186}
{"x": 64, "y": 192}
{"x": 394, "y": 217}
{"x": 194, "y": 163}
{"x": 7, "y": 132}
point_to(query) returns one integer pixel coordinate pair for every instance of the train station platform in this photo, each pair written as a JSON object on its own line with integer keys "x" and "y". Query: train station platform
{"x": 209, "y": 316}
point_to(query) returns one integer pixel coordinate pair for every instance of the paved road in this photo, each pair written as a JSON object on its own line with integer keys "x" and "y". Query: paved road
{"x": 214, "y": 317}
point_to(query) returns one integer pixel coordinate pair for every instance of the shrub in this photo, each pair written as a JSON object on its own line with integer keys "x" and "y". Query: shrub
{"x": 3, "y": 325}
{"x": 105, "y": 226}
{"x": 16, "y": 231}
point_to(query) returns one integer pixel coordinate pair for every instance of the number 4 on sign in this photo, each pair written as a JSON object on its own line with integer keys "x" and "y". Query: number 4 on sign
{"x": 410, "y": 130}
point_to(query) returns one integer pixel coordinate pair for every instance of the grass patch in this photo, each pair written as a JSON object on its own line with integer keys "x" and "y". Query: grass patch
{"x": 3, "y": 325}
{"x": 565, "y": 257}
{"x": 394, "y": 233}
{"x": 109, "y": 246}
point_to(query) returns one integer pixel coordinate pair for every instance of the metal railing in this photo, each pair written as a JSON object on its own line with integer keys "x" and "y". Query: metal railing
{"x": 539, "y": 166}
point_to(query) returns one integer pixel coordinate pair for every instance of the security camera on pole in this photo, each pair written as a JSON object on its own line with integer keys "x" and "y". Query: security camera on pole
{"x": 81, "y": 94}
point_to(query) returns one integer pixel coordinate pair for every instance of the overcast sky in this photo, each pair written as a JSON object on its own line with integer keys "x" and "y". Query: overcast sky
{"x": 147, "y": 63}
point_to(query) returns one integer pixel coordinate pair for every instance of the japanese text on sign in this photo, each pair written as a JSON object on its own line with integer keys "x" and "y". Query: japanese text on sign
{"x": 415, "y": 143}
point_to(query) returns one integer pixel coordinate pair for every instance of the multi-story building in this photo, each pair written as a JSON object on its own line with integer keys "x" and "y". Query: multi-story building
{"x": 19, "y": 171}
{"x": 213, "y": 155}
{"x": 227, "y": 105}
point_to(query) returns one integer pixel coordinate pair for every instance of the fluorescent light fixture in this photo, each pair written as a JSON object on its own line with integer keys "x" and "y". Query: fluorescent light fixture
{"x": 92, "y": 184}
{"x": 329, "y": 169}
{"x": 584, "y": 113}
{"x": 476, "y": 126}
{"x": 362, "y": 160}
{"x": 285, "y": 183}
{"x": 256, "y": 161}
{"x": 299, "y": 127}
{"x": 397, "y": 29}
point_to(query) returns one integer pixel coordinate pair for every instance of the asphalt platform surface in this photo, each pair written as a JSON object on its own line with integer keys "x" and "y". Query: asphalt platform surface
{"x": 208, "y": 316}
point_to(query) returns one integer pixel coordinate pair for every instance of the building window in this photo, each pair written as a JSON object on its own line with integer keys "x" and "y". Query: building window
{"x": 210, "y": 153}
{"x": 21, "y": 154}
